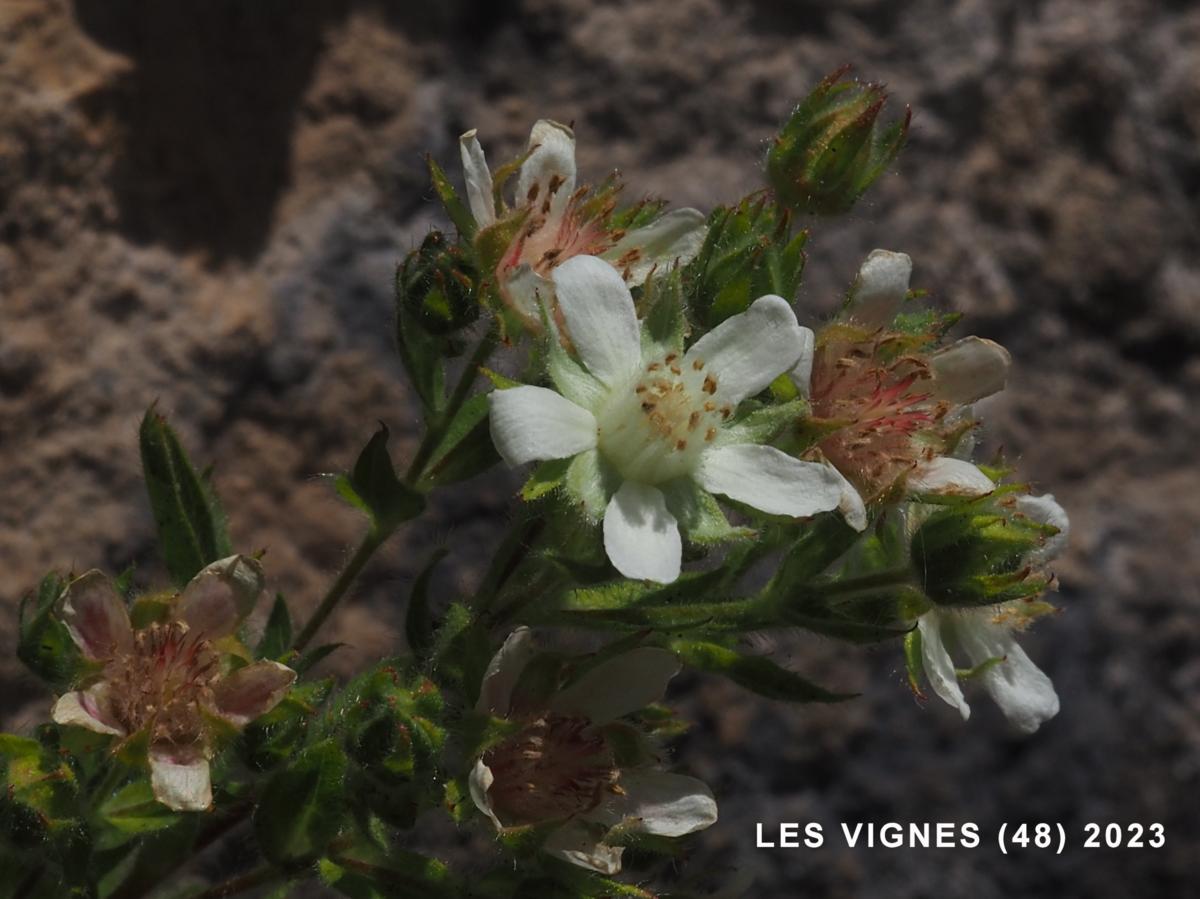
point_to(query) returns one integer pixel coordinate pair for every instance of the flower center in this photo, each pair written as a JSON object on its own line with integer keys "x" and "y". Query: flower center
{"x": 161, "y": 682}
{"x": 892, "y": 424}
{"x": 556, "y": 767}
{"x": 655, "y": 429}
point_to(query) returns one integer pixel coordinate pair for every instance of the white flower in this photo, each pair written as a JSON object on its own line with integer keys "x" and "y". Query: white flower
{"x": 649, "y": 429}
{"x": 987, "y": 638}
{"x": 166, "y": 679}
{"x": 562, "y": 223}
{"x": 560, "y": 767}
{"x": 893, "y": 405}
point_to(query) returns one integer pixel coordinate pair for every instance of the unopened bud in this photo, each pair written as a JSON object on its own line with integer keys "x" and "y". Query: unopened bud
{"x": 833, "y": 147}
{"x": 436, "y": 286}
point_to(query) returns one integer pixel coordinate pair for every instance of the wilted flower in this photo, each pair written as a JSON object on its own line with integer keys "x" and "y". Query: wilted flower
{"x": 562, "y": 765}
{"x": 169, "y": 680}
{"x": 559, "y": 222}
{"x": 986, "y": 636}
{"x": 892, "y": 402}
{"x": 650, "y": 429}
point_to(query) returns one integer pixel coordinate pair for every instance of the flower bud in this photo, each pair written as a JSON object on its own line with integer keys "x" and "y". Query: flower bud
{"x": 436, "y": 286}
{"x": 984, "y": 552}
{"x": 832, "y": 148}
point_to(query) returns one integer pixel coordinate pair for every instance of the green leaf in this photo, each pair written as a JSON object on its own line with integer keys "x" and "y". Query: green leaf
{"x": 421, "y": 353}
{"x": 822, "y": 543}
{"x": 466, "y": 449}
{"x": 418, "y": 619}
{"x": 755, "y": 673}
{"x": 301, "y": 808}
{"x": 132, "y": 812}
{"x": 191, "y": 529}
{"x": 373, "y": 487}
{"x": 277, "y": 635}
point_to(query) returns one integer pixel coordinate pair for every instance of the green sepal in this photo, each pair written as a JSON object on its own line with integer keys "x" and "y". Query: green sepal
{"x": 820, "y": 545}
{"x": 302, "y": 805}
{"x": 373, "y": 487}
{"x": 44, "y": 644}
{"x": 914, "y": 662}
{"x": 492, "y": 242}
{"x": 422, "y": 355}
{"x": 458, "y": 213}
{"x": 545, "y": 478}
{"x": 761, "y": 424}
{"x": 151, "y": 609}
{"x": 277, "y": 736}
{"x": 699, "y": 515}
{"x": 661, "y": 309}
{"x": 756, "y": 673}
{"x": 191, "y": 524}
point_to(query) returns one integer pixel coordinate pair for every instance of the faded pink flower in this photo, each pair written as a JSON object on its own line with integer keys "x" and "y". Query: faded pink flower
{"x": 169, "y": 680}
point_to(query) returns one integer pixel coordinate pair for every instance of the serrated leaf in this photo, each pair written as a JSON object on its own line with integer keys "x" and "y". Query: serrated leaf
{"x": 190, "y": 522}
{"x": 373, "y": 487}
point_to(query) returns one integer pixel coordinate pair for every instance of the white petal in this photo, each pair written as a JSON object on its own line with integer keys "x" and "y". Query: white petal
{"x": 748, "y": 351}
{"x": 969, "y": 370}
{"x": 1024, "y": 693}
{"x": 576, "y": 843}
{"x": 217, "y": 599}
{"x": 601, "y": 320}
{"x": 503, "y": 672}
{"x": 526, "y": 291}
{"x": 531, "y": 423}
{"x": 945, "y": 476}
{"x": 86, "y": 709}
{"x": 640, "y": 536}
{"x": 660, "y": 803}
{"x": 939, "y": 667}
{"x": 619, "y": 686}
{"x": 478, "y": 178}
{"x": 479, "y": 783}
{"x": 851, "y": 505}
{"x": 552, "y": 158}
{"x": 95, "y": 616}
{"x": 801, "y": 373}
{"x": 179, "y": 782}
{"x": 251, "y": 691}
{"x": 672, "y": 238}
{"x": 770, "y": 480}
{"x": 880, "y": 288}
{"x": 1046, "y": 510}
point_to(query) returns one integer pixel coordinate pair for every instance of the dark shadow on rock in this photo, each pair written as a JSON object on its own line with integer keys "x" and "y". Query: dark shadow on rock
{"x": 206, "y": 112}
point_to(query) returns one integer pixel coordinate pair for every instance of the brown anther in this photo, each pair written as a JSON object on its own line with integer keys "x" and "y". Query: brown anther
{"x": 551, "y": 255}
{"x": 697, "y": 364}
{"x": 555, "y": 183}
{"x": 533, "y": 192}
{"x": 647, "y": 407}
{"x": 710, "y": 384}
{"x": 641, "y": 388}
{"x": 671, "y": 357}
{"x": 681, "y": 445}
{"x": 654, "y": 366}
{"x": 693, "y": 421}
{"x": 710, "y": 434}
{"x": 710, "y": 406}
{"x": 725, "y": 413}
{"x": 675, "y": 370}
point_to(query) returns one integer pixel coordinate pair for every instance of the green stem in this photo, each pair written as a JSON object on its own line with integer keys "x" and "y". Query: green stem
{"x": 439, "y": 423}
{"x": 892, "y": 577}
{"x": 507, "y": 560}
{"x": 242, "y": 883}
{"x": 371, "y": 542}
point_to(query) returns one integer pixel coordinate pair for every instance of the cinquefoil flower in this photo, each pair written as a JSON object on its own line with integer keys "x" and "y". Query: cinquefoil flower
{"x": 169, "y": 680}
{"x": 562, "y": 766}
{"x": 650, "y": 427}
{"x": 561, "y": 222}
{"x": 893, "y": 400}
{"x": 986, "y": 637}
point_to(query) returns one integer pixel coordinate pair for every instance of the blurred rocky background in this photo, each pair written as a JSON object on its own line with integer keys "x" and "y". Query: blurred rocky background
{"x": 202, "y": 203}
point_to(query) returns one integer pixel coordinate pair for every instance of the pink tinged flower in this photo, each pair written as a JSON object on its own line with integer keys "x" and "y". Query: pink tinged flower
{"x": 168, "y": 679}
{"x": 659, "y": 420}
{"x": 893, "y": 406}
{"x": 559, "y": 767}
{"x": 986, "y": 639}
{"x": 562, "y": 223}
